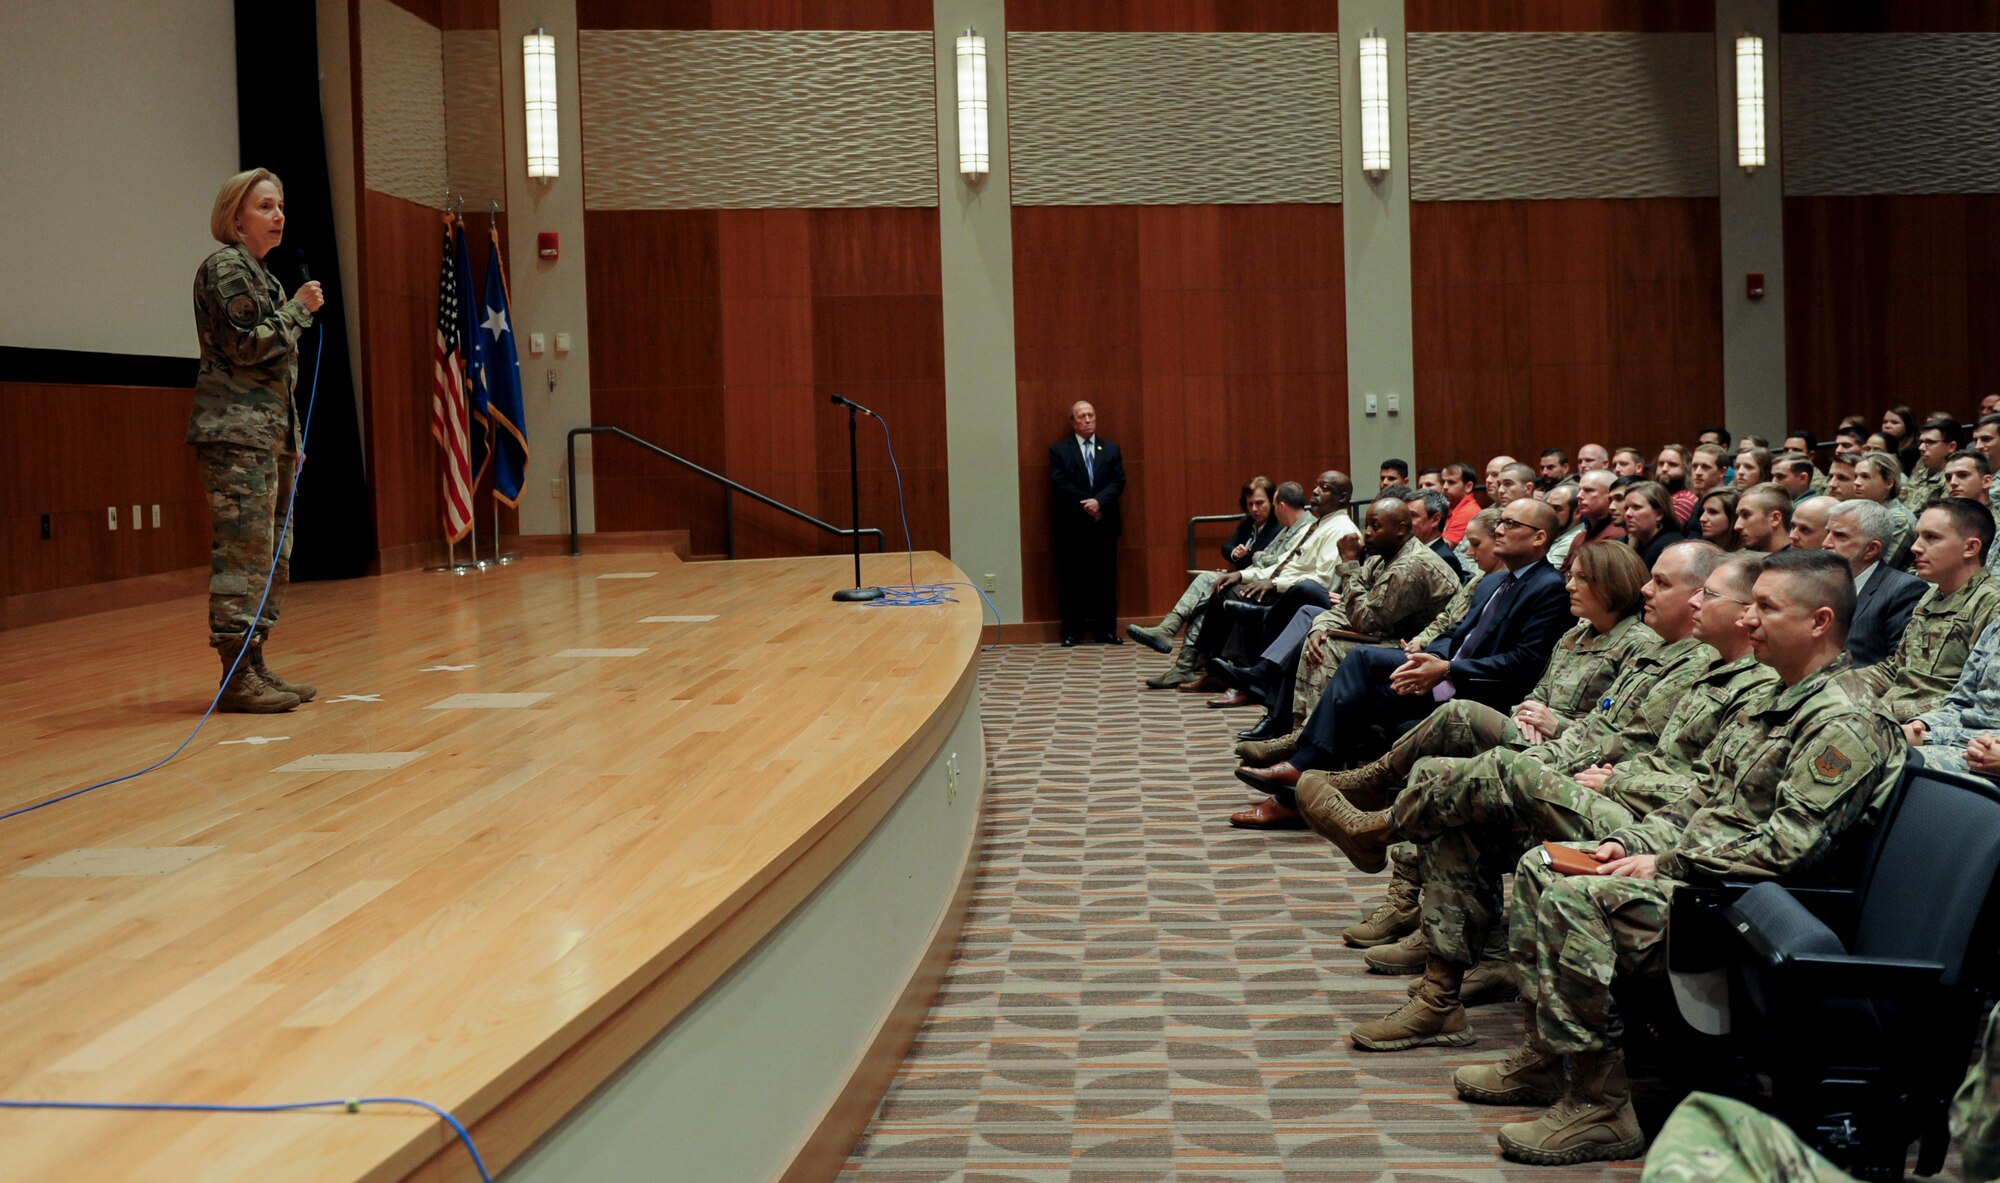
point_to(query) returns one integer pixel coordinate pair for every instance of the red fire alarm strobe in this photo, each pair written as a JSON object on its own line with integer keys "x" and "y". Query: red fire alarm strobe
{"x": 548, "y": 245}
{"x": 1753, "y": 285}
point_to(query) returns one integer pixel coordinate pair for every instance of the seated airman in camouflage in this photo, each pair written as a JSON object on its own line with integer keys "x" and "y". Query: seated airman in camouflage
{"x": 1949, "y": 550}
{"x": 1717, "y": 1140}
{"x": 1606, "y": 581}
{"x": 1962, "y": 734}
{"x": 1790, "y": 775}
{"x": 1471, "y": 819}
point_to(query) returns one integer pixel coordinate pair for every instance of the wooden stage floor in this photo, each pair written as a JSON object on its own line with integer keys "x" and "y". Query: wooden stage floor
{"x": 523, "y": 804}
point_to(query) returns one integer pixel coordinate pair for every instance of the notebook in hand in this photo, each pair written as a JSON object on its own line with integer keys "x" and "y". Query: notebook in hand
{"x": 1568, "y": 860}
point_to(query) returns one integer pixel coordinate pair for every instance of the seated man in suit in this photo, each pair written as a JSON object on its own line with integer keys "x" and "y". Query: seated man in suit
{"x": 1857, "y": 531}
{"x": 1950, "y": 553}
{"x": 1428, "y": 510}
{"x": 1494, "y": 656}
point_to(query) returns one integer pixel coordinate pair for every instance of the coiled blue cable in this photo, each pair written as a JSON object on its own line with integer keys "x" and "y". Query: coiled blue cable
{"x": 914, "y": 594}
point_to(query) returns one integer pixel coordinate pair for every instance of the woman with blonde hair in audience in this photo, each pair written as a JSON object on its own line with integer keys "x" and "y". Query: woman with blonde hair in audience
{"x": 1670, "y": 470}
{"x": 1716, "y": 519}
{"x": 1650, "y": 524}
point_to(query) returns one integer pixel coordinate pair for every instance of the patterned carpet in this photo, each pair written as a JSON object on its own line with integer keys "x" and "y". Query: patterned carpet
{"x": 1144, "y": 993}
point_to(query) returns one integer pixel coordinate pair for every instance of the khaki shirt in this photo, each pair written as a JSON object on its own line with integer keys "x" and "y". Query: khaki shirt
{"x": 1788, "y": 775}
{"x": 249, "y": 335}
{"x": 1941, "y": 633}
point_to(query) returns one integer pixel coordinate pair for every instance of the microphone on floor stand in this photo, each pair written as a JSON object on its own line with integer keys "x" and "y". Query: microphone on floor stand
{"x": 857, "y": 593}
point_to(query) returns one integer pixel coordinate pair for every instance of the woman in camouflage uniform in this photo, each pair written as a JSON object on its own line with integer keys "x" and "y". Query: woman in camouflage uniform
{"x": 245, "y": 431}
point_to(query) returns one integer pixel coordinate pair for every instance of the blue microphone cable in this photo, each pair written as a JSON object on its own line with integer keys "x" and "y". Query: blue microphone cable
{"x": 914, "y": 594}
{"x": 319, "y": 339}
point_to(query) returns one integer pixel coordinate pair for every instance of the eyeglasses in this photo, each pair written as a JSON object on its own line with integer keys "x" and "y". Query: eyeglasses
{"x": 1706, "y": 594}
{"x": 1511, "y": 524}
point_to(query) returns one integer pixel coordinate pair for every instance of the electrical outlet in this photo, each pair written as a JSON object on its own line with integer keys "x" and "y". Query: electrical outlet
{"x": 156, "y": 515}
{"x": 992, "y": 582}
{"x": 555, "y": 487}
{"x": 111, "y": 517}
{"x": 138, "y": 519}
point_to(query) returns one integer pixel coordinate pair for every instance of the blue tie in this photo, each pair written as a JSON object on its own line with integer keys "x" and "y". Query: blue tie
{"x": 1089, "y": 476}
{"x": 1487, "y": 619}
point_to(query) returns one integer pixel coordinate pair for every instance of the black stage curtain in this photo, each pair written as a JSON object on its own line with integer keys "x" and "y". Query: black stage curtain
{"x": 279, "y": 127}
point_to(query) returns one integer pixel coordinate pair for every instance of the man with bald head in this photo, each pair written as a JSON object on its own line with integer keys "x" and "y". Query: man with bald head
{"x": 1494, "y": 656}
{"x": 1809, "y": 522}
{"x": 1593, "y": 458}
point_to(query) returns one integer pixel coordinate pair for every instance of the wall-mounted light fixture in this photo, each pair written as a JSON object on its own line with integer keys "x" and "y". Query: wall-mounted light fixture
{"x": 1750, "y": 103}
{"x": 538, "y": 69}
{"x": 1375, "y": 105}
{"x": 974, "y": 158}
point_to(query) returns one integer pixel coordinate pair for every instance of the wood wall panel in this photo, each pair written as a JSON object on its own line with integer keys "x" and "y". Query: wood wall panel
{"x": 1555, "y": 323}
{"x": 754, "y": 14}
{"x": 1174, "y": 16}
{"x": 721, "y": 334}
{"x": 1888, "y": 300}
{"x": 1212, "y": 341}
{"x": 71, "y": 452}
{"x": 1559, "y": 16}
{"x": 1889, "y": 16}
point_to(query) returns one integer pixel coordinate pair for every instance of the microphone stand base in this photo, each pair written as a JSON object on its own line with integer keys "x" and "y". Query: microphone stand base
{"x": 855, "y": 595}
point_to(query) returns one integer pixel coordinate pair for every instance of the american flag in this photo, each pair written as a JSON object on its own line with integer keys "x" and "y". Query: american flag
{"x": 448, "y": 422}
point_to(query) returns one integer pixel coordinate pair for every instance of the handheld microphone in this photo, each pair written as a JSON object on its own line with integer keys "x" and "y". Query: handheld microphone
{"x": 843, "y": 401}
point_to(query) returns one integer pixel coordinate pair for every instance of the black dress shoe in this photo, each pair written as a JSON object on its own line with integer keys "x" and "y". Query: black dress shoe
{"x": 1111, "y": 639}
{"x": 1265, "y": 728}
{"x": 1068, "y": 641}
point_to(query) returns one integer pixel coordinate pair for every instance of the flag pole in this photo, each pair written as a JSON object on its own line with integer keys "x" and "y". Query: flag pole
{"x": 500, "y": 557}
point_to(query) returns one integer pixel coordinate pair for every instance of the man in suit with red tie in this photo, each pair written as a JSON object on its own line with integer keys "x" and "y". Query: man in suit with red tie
{"x": 1089, "y": 478}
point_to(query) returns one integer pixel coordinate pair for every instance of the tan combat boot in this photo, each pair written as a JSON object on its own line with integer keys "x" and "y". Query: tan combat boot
{"x": 1530, "y": 1075}
{"x": 1494, "y": 979}
{"x": 303, "y": 691}
{"x": 1185, "y": 671}
{"x": 1407, "y": 956}
{"x": 1159, "y": 638}
{"x": 1262, "y": 753}
{"x": 1395, "y": 917}
{"x": 1370, "y": 787}
{"x": 1592, "y": 1122}
{"x": 1430, "y": 1017}
{"x": 1362, "y": 837}
{"x": 246, "y": 692}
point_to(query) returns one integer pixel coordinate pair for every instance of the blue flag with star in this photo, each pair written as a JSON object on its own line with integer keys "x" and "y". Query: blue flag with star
{"x": 508, "y": 418}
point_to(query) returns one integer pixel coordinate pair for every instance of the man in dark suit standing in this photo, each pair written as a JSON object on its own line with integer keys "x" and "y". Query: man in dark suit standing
{"x": 1494, "y": 656}
{"x": 1883, "y": 596}
{"x": 1089, "y": 478}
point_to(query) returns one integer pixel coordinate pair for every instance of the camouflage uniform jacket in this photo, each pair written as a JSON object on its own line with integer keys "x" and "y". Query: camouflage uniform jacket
{"x": 1647, "y": 780}
{"x": 1941, "y": 633}
{"x": 1975, "y": 1111}
{"x": 1391, "y": 597}
{"x": 1788, "y": 775}
{"x": 1920, "y": 488}
{"x": 1453, "y": 612}
{"x": 1584, "y": 662}
{"x": 1634, "y": 710}
{"x": 249, "y": 335}
{"x": 1973, "y": 706}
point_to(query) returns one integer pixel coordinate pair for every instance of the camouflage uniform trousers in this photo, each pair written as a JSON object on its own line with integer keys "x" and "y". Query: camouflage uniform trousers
{"x": 1570, "y": 935}
{"x": 1710, "y": 1139}
{"x": 1311, "y": 679}
{"x": 248, "y": 489}
{"x": 1471, "y": 820}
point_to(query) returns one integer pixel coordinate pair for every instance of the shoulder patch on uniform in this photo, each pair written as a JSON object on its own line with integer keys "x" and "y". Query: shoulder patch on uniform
{"x": 1830, "y": 764}
{"x": 243, "y": 311}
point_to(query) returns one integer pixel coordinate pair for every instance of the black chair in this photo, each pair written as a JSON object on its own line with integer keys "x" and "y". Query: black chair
{"x": 1861, "y": 1004}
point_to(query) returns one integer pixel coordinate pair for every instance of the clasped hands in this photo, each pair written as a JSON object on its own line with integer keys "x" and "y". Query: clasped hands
{"x": 1612, "y": 860}
{"x": 1420, "y": 674}
{"x": 1536, "y": 721}
{"x": 1982, "y": 752}
{"x": 1091, "y": 507}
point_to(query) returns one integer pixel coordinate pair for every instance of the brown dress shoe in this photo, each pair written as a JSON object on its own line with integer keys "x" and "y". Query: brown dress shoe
{"x": 1205, "y": 684}
{"x": 1268, "y": 815}
{"x": 1232, "y": 698}
{"x": 1278, "y": 776}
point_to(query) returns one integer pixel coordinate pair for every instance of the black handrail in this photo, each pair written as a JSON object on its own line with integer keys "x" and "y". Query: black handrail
{"x": 729, "y": 490}
{"x": 1193, "y": 557}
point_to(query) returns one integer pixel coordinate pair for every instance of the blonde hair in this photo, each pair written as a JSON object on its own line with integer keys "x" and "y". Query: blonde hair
{"x": 222, "y": 219}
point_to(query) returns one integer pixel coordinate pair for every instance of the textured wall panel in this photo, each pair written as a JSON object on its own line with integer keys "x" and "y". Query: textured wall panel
{"x": 1174, "y": 118}
{"x": 1892, "y": 113}
{"x": 475, "y": 154}
{"x": 1498, "y": 116}
{"x": 402, "y": 104}
{"x": 703, "y": 119}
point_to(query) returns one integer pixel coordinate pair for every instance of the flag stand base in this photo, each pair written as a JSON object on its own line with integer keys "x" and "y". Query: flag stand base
{"x": 456, "y": 568}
